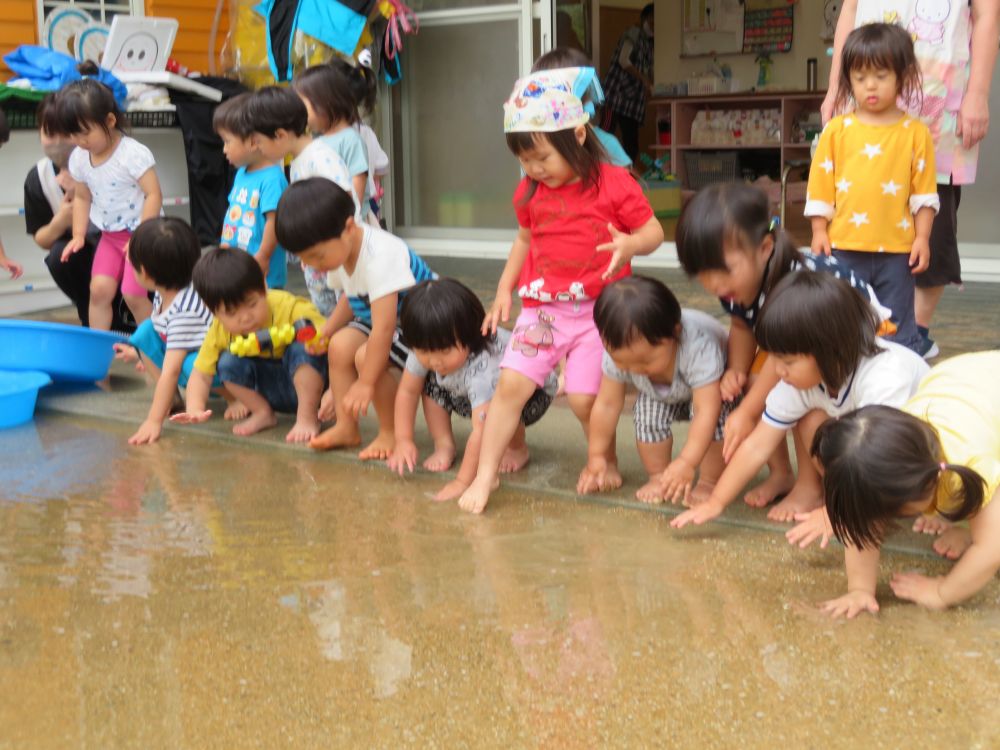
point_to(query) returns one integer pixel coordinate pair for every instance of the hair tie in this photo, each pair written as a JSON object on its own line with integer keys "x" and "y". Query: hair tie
{"x": 943, "y": 466}
{"x": 775, "y": 223}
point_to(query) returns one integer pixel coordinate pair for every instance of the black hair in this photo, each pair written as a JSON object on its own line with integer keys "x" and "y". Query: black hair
{"x": 233, "y": 116}
{"x": 881, "y": 46}
{"x": 636, "y": 307}
{"x": 875, "y": 460}
{"x": 45, "y": 113}
{"x": 823, "y": 316}
{"x": 4, "y": 128}
{"x": 311, "y": 211}
{"x": 734, "y": 213}
{"x": 226, "y": 276}
{"x": 166, "y": 249}
{"x": 363, "y": 83}
{"x": 84, "y": 104}
{"x": 329, "y": 92}
{"x": 440, "y": 313}
{"x": 585, "y": 160}
{"x": 275, "y": 108}
{"x": 647, "y": 12}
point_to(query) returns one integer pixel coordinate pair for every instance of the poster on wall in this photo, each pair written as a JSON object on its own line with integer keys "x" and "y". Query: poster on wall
{"x": 711, "y": 27}
{"x": 767, "y": 29}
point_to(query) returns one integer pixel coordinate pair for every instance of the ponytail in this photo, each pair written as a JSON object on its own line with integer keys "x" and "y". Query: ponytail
{"x": 784, "y": 257}
{"x": 972, "y": 493}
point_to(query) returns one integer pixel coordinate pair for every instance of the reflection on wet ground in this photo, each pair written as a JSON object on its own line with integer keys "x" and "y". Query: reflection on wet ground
{"x": 202, "y": 594}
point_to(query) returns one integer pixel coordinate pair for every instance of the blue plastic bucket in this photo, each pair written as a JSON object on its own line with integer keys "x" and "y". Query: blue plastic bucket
{"x": 18, "y": 393}
{"x": 66, "y": 353}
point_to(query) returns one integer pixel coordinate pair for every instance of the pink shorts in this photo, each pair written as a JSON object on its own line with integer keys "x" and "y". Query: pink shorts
{"x": 110, "y": 260}
{"x": 543, "y": 335}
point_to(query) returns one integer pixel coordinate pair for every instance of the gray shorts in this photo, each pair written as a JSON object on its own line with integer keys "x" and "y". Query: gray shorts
{"x": 653, "y": 418}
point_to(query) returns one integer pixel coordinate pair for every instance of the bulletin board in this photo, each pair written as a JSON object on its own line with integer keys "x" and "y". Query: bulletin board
{"x": 721, "y": 27}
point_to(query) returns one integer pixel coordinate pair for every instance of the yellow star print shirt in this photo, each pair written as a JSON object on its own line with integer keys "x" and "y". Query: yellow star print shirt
{"x": 869, "y": 180}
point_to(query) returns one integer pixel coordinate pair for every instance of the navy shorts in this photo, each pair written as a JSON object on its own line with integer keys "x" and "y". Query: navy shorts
{"x": 271, "y": 378}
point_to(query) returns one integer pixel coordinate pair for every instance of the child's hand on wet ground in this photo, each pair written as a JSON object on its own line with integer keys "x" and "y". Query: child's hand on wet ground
{"x": 812, "y": 526}
{"x": 191, "y": 417}
{"x": 358, "y": 398}
{"x": 599, "y": 475}
{"x": 699, "y": 514}
{"x": 404, "y": 456}
{"x": 677, "y": 480}
{"x": 919, "y": 589}
{"x": 850, "y": 605}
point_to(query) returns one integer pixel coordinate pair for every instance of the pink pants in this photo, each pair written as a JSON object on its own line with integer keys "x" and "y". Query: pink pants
{"x": 110, "y": 260}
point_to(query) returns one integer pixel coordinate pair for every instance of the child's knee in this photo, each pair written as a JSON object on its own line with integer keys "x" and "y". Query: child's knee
{"x": 102, "y": 290}
{"x": 296, "y": 357}
{"x": 235, "y": 370}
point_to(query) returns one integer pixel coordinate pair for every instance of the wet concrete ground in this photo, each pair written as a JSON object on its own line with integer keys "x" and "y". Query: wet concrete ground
{"x": 211, "y": 591}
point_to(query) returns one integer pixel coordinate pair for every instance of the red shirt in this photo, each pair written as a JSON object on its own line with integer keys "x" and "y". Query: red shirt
{"x": 567, "y": 224}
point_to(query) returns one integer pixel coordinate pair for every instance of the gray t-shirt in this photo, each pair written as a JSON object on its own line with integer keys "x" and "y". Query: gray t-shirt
{"x": 700, "y": 360}
{"x": 477, "y": 379}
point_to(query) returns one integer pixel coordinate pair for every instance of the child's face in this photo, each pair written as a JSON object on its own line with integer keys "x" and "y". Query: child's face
{"x": 272, "y": 149}
{"x": 744, "y": 273}
{"x": 331, "y": 254}
{"x": 94, "y": 139}
{"x": 239, "y": 151}
{"x": 546, "y": 165}
{"x": 874, "y": 89}
{"x": 250, "y": 315}
{"x": 798, "y": 370}
{"x": 642, "y": 357}
{"x": 442, "y": 361}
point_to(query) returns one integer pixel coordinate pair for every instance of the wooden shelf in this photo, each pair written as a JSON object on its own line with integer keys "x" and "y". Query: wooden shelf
{"x": 805, "y": 144}
{"x": 730, "y": 147}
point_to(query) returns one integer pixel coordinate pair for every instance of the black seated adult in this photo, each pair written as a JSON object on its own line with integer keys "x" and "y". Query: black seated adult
{"x": 48, "y": 218}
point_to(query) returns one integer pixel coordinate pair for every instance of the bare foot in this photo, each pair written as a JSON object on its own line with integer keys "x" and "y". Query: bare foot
{"x": 953, "y": 543}
{"x": 474, "y": 498}
{"x": 701, "y": 492}
{"x": 236, "y": 411}
{"x": 379, "y": 449}
{"x": 651, "y": 492}
{"x": 441, "y": 459}
{"x": 513, "y": 459}
{"x": 802, "y": 499}
{"x": 771, "y": 488}
{"x": 303, "y": 431}
{"x": 338, "y": 436}
{"x": 931, "y": 524}
{"x": 262, "y": 420}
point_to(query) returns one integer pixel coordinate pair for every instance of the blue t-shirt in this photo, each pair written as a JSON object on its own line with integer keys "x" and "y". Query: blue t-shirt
{"x": 615, "y": 151}
{"x": 254, "y": 195}
{"x": 351, "y": 148}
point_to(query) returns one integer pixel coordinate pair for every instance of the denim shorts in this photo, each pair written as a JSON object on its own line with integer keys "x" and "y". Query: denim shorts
{"x": 271, "y": 378}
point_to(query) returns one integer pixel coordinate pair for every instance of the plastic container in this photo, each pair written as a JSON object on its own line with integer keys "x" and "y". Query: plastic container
{"x": 18, "y": 394}
{"x": 66, "y": 353}
{"x": 708, "y": 167}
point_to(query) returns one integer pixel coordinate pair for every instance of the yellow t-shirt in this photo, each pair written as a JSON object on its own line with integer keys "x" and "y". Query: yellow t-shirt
{"x": 869, "y": 181}
{"x": 960, "y": 398}
{"x": 285, "y": 309}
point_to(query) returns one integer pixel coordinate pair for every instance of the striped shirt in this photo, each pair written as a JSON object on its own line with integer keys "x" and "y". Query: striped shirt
{"x": 184, "y": 323}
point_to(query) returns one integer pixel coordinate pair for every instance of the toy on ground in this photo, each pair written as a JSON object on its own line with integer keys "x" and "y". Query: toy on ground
{"x": 18, "y": 393}
{"x": 64, "y": 352}
{"x": 273, "y": 340}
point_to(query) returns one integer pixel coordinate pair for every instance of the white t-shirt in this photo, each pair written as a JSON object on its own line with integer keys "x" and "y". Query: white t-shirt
{"x": 114, "y": 185}
{"x": 320, "y": 159}
{"x": 378, "y": 160}
{"x": 888, "y": 379}
{"x": 383, "y": 267}
{"x": 184, "y": 323}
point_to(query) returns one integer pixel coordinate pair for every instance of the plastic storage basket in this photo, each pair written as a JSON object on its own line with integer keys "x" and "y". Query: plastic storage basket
{"x": 708, "y": 167}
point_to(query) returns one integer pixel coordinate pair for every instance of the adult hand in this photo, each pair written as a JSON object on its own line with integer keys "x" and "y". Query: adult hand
{"x": 828, "y": 106}
{"x": 973, "y": 119}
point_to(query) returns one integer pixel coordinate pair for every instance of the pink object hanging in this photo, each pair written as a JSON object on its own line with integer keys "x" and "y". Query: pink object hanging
{"x": 402, "y": 20}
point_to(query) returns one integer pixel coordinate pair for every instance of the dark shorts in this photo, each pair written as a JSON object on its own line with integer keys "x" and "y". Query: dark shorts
{"x": 890, "y": 277}
{"x": 398, "y": 351}
{"x": 537, "y": 405}
{"x": 271, "y": 378}
{"x": 945, "y": 267}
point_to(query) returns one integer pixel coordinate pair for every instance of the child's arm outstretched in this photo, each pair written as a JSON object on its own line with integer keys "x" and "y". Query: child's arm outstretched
{"x": 678, "y": 477}
{"x": 862, "y": 577}
{"x": 149, "y": 183}
{"x": 499, "y": 311}
{"x": 750, "y": 456}
{"x": 196, "y": 399}
{"x": 13, "y": 267}
{"x": 977, "y": 566}
{"x": 404, "y": 453}
{"x": 600, "y": 474}
{"x": 81, "y": 220}
{"x": 166, "y": 386}
{"x": 745, "y": 417}
{"x": 625, "y": 246}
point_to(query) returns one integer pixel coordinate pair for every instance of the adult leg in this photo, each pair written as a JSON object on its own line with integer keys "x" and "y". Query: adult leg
{"x": 630, "y": 136}
{"x": 945, "y": 266}
{"x": 73, "y": 276}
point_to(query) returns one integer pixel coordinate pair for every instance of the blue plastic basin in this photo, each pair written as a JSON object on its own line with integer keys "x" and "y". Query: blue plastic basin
{"x": 18, "y": 392}
{"x": 66, "y": 353}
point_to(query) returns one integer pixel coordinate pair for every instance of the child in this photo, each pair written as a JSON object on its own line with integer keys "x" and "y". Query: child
{"x": 288, "y": 379}
{"x": 581, "y": 220}
{"x": 941, "y": 453}
{"x": 372, "y": 270}
{"x": 675, "y": 359}
{"x": 12, "y": 267}
{"x": 280, "y": 123}
{"x": 729, "y": 241}
{"x": 332, "y": 105}
{"x": 872, "y": 186}
{"x": 588, "y": 88}
{"x": 163, "y": 253}
{"x": 365, "y": 87}
{"x": 257, "y": 187}
{"x": 822, "y": 337}
{"x": 116, "y": 188}
{"x": 457, "y": 365}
